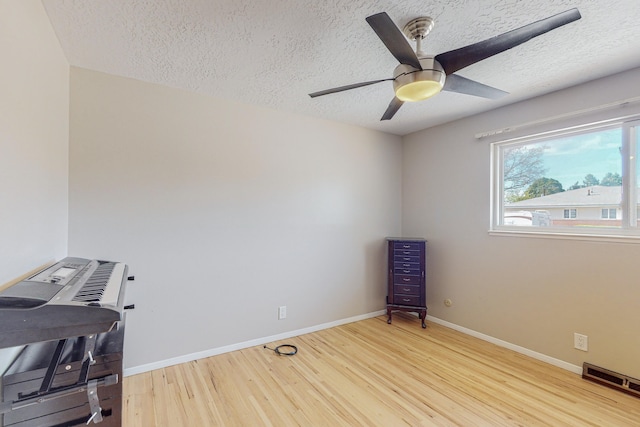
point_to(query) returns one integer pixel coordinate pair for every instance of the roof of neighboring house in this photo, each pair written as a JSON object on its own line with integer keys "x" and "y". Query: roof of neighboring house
{"x": 596, "y": 195}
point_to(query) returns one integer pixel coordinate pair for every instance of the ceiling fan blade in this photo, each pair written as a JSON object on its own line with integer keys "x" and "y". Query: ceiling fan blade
{"x": 459, "y": 84}
{"x": 347, "y": 87}
{"x": 393, "y": 39}
{"x": 392, "y": 109}
{"x": 457, "y": 59}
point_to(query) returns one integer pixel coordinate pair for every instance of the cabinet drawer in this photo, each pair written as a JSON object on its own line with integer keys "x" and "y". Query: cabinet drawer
{"x": 403, "y": 279}
{"x": 404, "y": 265}
{"x": 407, "y": 245}
{"x": 409, "y": 271}
{"x": 403, "y": 290}
{"x": 406, "y": 299}
{"x": 402, "y": 258}
{"x": 406, "y": 252}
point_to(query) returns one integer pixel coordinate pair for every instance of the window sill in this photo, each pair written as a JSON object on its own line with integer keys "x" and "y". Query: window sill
{"x": 564, "y": 235}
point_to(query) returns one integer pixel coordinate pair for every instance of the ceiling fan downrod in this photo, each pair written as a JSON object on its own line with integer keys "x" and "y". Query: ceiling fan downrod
{"x": 417, "y": 29}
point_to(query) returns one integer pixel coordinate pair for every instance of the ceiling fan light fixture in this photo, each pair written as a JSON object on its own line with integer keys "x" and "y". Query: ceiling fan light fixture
{"x": 412, "y": 85}
{"x": 418, "y": 90}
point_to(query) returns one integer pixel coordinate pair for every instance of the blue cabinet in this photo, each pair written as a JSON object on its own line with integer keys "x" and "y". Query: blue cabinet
{"x": 406, "y": 281}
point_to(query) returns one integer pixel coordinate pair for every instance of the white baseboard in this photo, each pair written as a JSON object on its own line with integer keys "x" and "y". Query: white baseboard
{"x": 251, "y": 343}
{"x": 264, "y": 340}
{"x": 522, "y": 350}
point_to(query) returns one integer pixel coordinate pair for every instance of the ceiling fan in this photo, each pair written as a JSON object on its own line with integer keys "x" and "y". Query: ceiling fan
{"x": 420, "y": 76}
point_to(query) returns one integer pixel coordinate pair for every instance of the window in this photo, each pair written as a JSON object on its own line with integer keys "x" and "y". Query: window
{"x": 608, "y": 214}
{"x": 582, "y": 181}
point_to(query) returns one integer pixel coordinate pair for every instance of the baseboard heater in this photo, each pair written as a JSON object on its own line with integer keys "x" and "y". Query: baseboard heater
{"x": 611, "y": 379}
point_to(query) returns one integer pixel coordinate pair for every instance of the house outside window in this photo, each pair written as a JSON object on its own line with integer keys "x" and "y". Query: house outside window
{"x": 608, "y": 214}
{"x": 570, "y": 213}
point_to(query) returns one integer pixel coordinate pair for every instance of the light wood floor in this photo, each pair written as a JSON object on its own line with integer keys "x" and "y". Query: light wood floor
{"x": 369, "y": 373}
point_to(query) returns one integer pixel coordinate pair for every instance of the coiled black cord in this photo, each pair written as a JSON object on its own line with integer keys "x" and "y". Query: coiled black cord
{"x": 281, "y": 350}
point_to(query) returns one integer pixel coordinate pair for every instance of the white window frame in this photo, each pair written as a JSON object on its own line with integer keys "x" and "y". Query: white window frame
{"x": 628, "y": 232}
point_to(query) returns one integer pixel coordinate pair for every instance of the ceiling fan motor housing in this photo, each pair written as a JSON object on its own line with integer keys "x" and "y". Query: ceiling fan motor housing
{"x": 411, "y": 84}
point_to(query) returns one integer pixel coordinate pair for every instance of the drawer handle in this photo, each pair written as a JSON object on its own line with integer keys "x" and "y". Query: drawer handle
{"x": 407, "y": 259}
{"x": 406, "y": 265}
{"x": 407, "y": 253}
{"x": 406, "y": 246}
{"x": 407, "y": 271}
{"x": 406, "y": 299}
{"x": 406, "y": 289}
{"x": 406, "y": 279}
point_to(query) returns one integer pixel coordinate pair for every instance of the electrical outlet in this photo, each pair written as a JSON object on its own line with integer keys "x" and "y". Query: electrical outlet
{"x": 581, "y": 342}
{"x": 282, "y": 312}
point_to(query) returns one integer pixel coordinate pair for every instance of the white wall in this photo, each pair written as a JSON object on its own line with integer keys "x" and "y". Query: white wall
{"x": 34, "y": 120}
{"x": 531, "y": 292}
{"x": 34, "y": 123}
{"x": 225, "y": 212}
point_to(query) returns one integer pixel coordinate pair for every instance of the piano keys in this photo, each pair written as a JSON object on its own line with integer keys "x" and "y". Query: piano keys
{"x": 73, "y": 297}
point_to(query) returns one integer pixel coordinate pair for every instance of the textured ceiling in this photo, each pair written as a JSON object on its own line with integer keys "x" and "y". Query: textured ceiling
{"x": 273, "y": 53}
